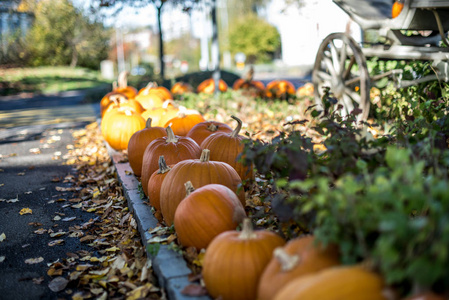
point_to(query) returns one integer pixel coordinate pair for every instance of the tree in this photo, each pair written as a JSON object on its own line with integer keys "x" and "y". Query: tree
{"x": 61, "y": 35}
{"x": 254, "y": 37}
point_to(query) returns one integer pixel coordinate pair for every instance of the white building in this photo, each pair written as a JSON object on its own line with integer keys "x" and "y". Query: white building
{"x": 302, "y": 29}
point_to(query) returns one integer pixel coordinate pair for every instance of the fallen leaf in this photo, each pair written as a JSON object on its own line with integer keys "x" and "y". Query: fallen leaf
{"x": 14, "y": 200}
{"x": 58, "y": 234}
{"x": 35, "y": 150}
{"x": 29, "y": 192}
{"x": 25, "y": 245}
{"x": 2, "y": 237}
{"x": 21, "y": 174}
{"x": 58, "y": 284}
{"x": 38, "y": 280}
{"x": 24, "y": 211}
{"x": 40, "y": 231}
{"x": 2, "y": 259}
{"x": 55, "y": 242}
{"x": 35, "y": 224}
{"x": 194, "y": 290}
{"x": 139, "y": 293}
{"x": 112, "y": 249}
{"x": 56, "y": 218}
{"x": 32, "y": 261}
{"x": 68, "y": 219}
{"x": 2, "y": 184}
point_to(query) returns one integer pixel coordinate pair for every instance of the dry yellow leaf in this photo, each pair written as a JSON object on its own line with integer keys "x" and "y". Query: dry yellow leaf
{"x": 26, "y": 210}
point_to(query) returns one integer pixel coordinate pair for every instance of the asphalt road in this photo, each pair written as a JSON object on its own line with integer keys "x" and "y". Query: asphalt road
{"x": 35, "y": 133}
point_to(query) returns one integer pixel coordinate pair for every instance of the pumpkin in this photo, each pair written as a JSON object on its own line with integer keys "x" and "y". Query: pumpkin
{"x": 305, "y": 91}
{"x": 348, "y": 282}
{"x": 120, "y": 100}
{"x": 152, "y": 87}
{"x": 173, "y": 148}
{"x": 202, "y": 130}
{"x": 139, "y": 142}
{"x": 181, "y": 88}
{"x": 280, "y": 89}
{"x": 200, "y": 172}
{"x": 154, "y": 186}
{"x": 234, "y": 262}
{"x": 227, "y": 147}
{"x": 123, "y": 87}
{"x": 163, "y": 114}
{"x": 108, "y": 99}
{"x": 205, "y": 213}
{"x": 208, "y": 86}
{"x": 252, "y": 88}
{"x": 118, "y": 125}
{"x": 298, "y": 257}
{"x": 182, "y": 123}
{"x": 397, "y": 7}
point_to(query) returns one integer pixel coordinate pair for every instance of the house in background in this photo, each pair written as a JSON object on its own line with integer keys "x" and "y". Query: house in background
{"x": 12, "y": 20}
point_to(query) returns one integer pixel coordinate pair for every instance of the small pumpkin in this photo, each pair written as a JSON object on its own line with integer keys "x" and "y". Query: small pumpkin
{"x": 208, "y": 86}
{"x": 305, "y": 91}
{"x": 280, "y": 89}
{"x": 298, "y": 257}
{"x": 182, "y": 123}
{"x": 397, "y": 7}
{"x": 118, "y": 125}
{"x": 200, "y": 172}
{"x": 139, "y": 142}
{"x": 123, "y": 87}
{"x": 180, "y": 88}
{"x": 234, "y": 262}
{"x": 202, "y": 130}
{"x": 108, "y": 99}
{"x": 227, "y": 148}
{"x": 252, "y": 88}
{"x": 160, "y": 115}
{"x": 205, "y": 213}
{"x": 173, "y": 148}
{"x": 346, "y": 282}
{"x": 120, "y": 100}
{"x": 154, "y": 186}
{"x": 152, "y": 87}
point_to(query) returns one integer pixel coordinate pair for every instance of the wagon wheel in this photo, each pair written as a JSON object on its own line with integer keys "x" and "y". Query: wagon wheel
{"x": 341, "y": 66}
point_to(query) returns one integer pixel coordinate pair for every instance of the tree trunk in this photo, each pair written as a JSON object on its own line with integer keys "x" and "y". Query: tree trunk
{"x": 161, "y": 43}
{"x": 74, "y": 61}
{"x": 215, "y": 52}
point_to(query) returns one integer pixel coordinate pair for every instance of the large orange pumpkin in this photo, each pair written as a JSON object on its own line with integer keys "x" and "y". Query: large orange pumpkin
{"x": 182, "y": 123}
{"x": 205, "y": 213}
{"x": 227, "y": 148}
{"x": 234, "y": 262}
{"x": 118, "y": 125}
{"x": 280, "y": 89}
{"x": 346, "y": 282}
{"x": 154, "y": 186}
{"x": 181, "y": 88}
{"x": 161, "y": 115}
{"x": 208, "y": 86}
{"x": 123, "y": 87}
{"x": 173, "y": 148}
{"x": 298, "y": 257}
{"x": 139, "y": 142}
{"x": 202, "y": 130}
{"x": 200, "y": 172}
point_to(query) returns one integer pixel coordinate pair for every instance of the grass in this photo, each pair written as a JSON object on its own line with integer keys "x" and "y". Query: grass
{"x": 48, "y": 80}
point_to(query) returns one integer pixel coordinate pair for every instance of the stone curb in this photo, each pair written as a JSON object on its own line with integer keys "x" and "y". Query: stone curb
{"x": 169, "y": 266}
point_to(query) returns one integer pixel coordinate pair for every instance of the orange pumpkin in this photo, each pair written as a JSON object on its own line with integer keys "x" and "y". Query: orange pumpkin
{"x": 280, "y": 89}
{"x": 108, "y": 99}
{"x": 205, "y": 213}
{"x": 348, "y": 282}
{"x": 200, "y": 172}
{"x": 123, "y": 87}
{"x": 139, "y": 142}
{"x": 208, "y": 86}
{"x": 227, "y": 148}
{"x": 154, "y": 186}
{"x": 182, "y": 123}
{"x": 173, "y": 148}
{"x": 150, "y": 100}
{"x": 250, "y": 87}
{"x": 298, "y": 257}
{"x": 181, "y": 88}
{"x": 118, "y": 125}
{"x": 162, "y": 115}
{"x": 305, "y": 91}
{"x": 202, "y": 130}
{"x": 234, "y": 262}
{"x": 120, "y": 100}
{"x": 152, "y": 87}
{"x": 397, "y": 8}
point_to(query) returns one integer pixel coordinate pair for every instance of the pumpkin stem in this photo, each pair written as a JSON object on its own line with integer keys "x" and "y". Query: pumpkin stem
{"x": 189, "y": 188}
{"x": 287, "y": 262}
{"x": 205, "y": 155}
{"x": 212, "y": 127}
{"x": 163, "y": 168}
{"x": 151, "y": 84}
{"x": 181, "y": 114}
{"x": 114, "y": 85}
{"x": 167, "y": 103}
{"x": 171, "y": 138}
{"x": 247, "y": 230}
{"x": 148, "y": 123}
{"x": 123, "y": 79}
{"x": 236, "y": 131}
